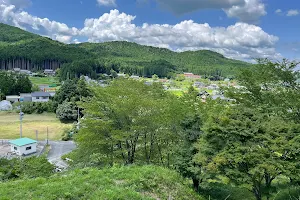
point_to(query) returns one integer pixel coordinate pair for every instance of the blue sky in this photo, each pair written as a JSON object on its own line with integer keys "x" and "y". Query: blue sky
{"x": 240, "y": 29}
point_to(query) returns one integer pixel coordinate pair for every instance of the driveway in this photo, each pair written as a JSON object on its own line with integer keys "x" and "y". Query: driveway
{"x": 58, "y": 149}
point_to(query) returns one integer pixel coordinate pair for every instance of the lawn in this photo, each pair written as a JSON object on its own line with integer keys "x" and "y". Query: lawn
{"x": 10, "y": 126}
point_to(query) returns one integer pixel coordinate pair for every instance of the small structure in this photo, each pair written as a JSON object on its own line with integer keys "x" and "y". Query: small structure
{"x": 135, "y": 77}
{"x": 49, "y": 72}
{"x": 40, "y": 96}
{"x": 23, "y": 146}
{"x": 16, "y": 69}
{"x": 191, "y": 76}
{"x": 26, "y": 72}
{"x": 25, "y": 97}
{"x": 12, "y": 98}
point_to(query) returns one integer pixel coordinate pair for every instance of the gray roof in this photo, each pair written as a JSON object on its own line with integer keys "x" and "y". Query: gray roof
{"x": 40, "y": 94}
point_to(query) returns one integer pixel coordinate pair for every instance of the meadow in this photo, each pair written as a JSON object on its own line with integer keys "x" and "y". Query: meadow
{"x": 10, "y": 126}
{"x": 44, "y": 80}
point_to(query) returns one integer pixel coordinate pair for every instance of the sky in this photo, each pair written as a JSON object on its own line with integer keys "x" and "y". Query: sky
{"x": 239, "y": 29}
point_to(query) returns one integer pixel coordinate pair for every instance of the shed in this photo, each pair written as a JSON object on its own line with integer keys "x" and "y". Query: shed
{"x": 13, "y": 98}
{"x": 23, "y": 146}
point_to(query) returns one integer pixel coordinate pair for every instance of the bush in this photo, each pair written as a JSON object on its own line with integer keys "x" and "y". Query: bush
{"x": 292, "y": 193}
{"x": 67, "y": 111}
{"x": 217, "y": 191}
{"x": 35, "y": 107}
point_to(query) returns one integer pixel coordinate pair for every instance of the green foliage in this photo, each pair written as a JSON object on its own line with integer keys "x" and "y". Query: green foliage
{"x": 14, "y": 84}
{"x": 128, "y": 54}
{"x": 66, "y": 98}
{"x": 35, "y": 107}
{"x": 292, "y": 193}
{"x": 67, "y": 111}
{"x": 135, "y": 183}
{"x": 255, "y": 151}
{"x": 25, "y": 168}
{"x": 217, "y": 191}
{"x": 129, "y": 122}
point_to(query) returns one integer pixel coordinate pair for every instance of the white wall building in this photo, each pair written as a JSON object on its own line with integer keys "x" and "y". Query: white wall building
{"x": 23, "y": 146}
{"x": 40, "y": 96}
{"x": 13, "y": 98}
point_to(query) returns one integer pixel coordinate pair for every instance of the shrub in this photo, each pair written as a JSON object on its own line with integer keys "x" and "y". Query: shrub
{"x": 292, "y": 193}
{"x": 35, "y": 107}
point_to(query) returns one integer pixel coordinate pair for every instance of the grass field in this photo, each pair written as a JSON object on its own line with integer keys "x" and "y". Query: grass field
{"x": 44, "y": 80}
{"x": 10, "y": 126}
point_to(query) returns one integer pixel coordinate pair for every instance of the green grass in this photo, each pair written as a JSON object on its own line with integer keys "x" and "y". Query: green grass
{"x": 10, "y": 126}
{"x": 134, "y": 183}
{"x": 44, "y": 80}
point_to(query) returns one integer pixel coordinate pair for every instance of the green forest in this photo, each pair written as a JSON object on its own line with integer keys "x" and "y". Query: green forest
{"x": 21, "y": 49}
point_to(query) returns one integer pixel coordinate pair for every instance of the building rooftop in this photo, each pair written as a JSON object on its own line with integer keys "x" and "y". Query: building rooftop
{"x": 40, "y": 94}
{"x": 22, "y": 142}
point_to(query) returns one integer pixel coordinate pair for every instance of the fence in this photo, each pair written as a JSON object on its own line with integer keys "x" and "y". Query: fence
{"x": 4, "y": 142}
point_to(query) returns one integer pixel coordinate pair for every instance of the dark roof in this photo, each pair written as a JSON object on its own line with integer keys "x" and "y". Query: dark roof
{"x": 40, "y": 94}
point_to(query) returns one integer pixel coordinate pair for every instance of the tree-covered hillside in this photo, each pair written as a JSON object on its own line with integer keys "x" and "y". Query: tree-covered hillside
{"x": 21, "y": 49}
{"x": 199, "y": 62}
{"x": 135, "y": 183}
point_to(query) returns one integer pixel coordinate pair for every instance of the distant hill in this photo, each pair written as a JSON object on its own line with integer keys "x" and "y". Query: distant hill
{"x": 134, "y": 183}
{"x": 25, "y": 50}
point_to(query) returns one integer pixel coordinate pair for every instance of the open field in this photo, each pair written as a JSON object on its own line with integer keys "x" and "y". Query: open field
{"x": 44, "y": 80}
{"x": 10, "y": 126}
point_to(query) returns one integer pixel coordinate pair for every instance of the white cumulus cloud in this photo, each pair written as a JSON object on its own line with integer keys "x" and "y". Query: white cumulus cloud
{"x": 250, "y": 12}
{"x": 107, "y": 3}
{"x": 278, "y": 11}
{"x": 11, "y": 15}
{"x": 291, "y": 13}
{"x": 241, "y": 40}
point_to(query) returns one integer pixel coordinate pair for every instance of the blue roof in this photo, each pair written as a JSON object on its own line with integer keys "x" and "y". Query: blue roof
{"x": 22, "y": 141}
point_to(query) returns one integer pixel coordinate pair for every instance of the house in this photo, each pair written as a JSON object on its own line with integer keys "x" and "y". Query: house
{"x": 122, "y": 75}
{"x": 23, "y": 146}
{"x": 16, "y": 69}
{"x": 191, "y": 76}
{"x": 199, "y": 84}
{"x": 25, "y": 97}
{"x": 40, "y": 96}
{"x": 13, "y": 98}
{"x": 135, "y": 77}
{"x": 27, "y": 72}
{"x": 49, "y": 72}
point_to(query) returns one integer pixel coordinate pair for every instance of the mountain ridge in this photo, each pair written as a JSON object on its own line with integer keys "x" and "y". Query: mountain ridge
{"x": 25, "y": 50}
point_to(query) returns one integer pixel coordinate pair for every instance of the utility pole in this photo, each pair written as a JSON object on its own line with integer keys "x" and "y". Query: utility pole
{"x": 37, "y": 135}
{"x": 21, "y": 118}
{"x": 47, "y": 135}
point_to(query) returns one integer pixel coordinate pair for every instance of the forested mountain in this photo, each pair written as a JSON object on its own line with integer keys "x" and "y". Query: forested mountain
{"x": 21, "y": 49}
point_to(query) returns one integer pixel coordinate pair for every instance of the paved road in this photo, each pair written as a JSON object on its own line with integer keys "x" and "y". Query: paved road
{"x": 58, "y": 149}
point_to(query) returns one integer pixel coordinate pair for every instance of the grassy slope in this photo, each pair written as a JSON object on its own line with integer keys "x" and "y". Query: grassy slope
{"x": 147, "y": 182}
{"x": 10, "y": 126}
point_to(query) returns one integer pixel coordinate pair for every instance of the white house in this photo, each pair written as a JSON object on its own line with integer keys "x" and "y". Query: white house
{"x": 23, "y": 146}
{"x": 40, "y": 96}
